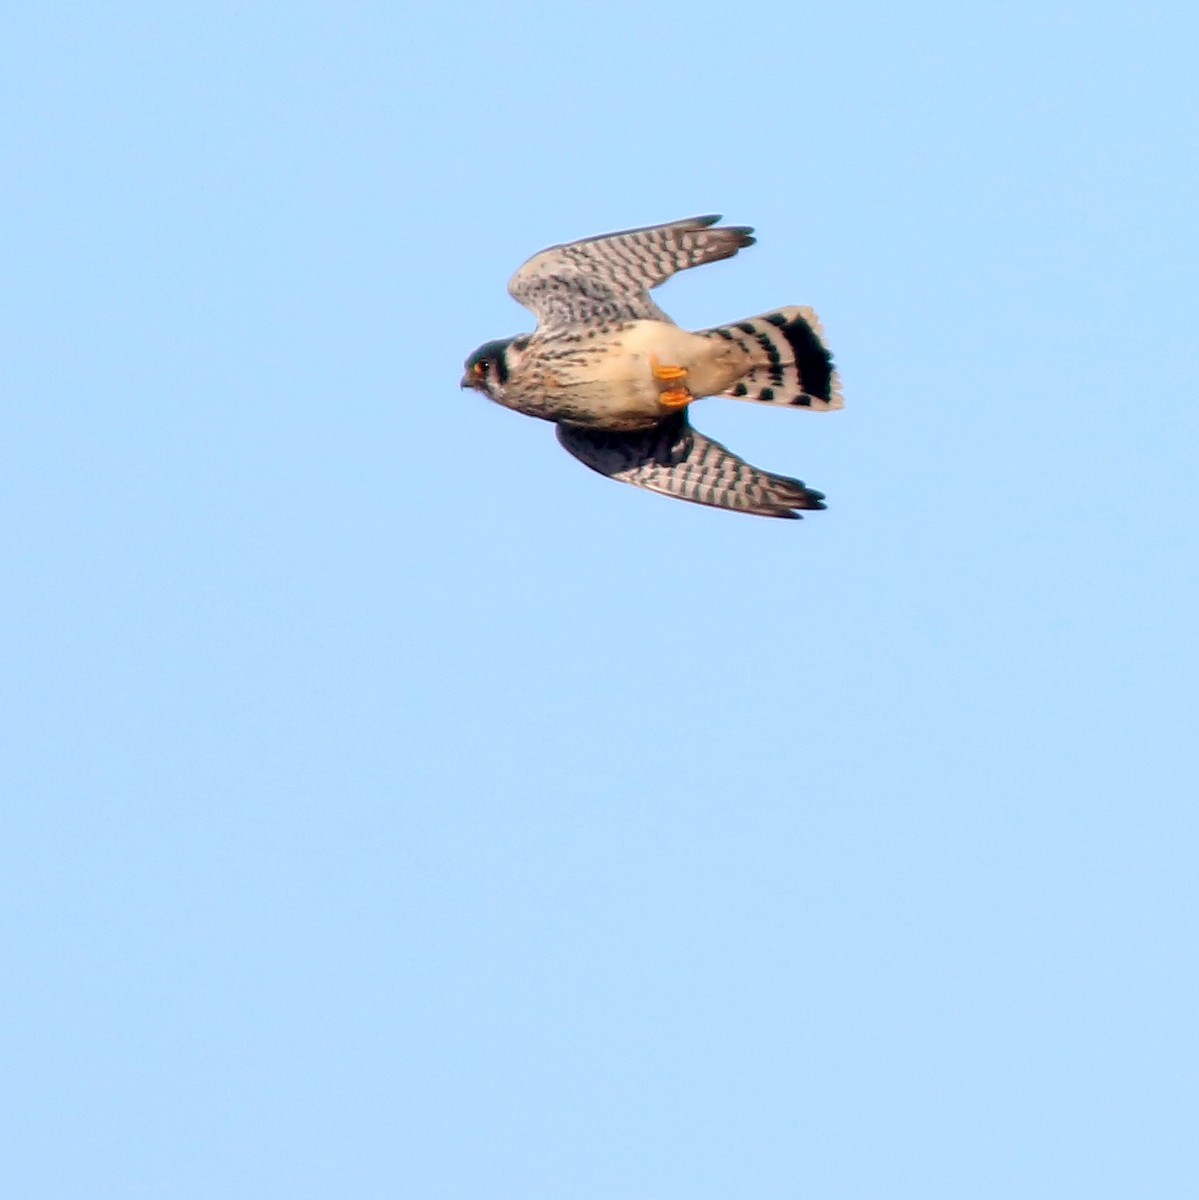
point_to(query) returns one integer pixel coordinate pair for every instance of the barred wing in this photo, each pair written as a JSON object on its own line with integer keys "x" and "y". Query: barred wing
{"x": 608, "y": 278}
{"x": 677, "y": 460}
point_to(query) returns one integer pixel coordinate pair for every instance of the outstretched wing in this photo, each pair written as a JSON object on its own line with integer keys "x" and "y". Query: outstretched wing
{"x": 678, "y": 461}
{"x": 608, "y": 278}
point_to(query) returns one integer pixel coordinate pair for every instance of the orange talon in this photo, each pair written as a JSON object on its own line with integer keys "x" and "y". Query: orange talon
{"x": 675, "y": 398}
{"x": 666, "y": 374}
{"x": 678, "y": 396}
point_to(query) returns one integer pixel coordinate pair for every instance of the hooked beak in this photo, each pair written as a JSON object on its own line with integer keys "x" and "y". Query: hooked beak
{"x": 467, "y": 381}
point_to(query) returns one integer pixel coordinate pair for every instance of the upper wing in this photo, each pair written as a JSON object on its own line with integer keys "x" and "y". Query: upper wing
{"x": 609, "y": 277}
{"x": 678, "y": 461}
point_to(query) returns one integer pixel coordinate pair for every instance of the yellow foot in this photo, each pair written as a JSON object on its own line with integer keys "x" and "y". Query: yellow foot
{"x": 666, "y": 374}
{"x": 675, "y": 398}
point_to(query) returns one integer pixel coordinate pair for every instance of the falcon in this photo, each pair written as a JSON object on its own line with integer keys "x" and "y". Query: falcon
{"x": 617, "y": 376}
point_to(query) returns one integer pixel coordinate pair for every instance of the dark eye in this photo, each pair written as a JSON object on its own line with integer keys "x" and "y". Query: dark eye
{"x": 480, "y": 369}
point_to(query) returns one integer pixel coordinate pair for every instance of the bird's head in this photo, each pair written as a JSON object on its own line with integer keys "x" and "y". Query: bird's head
{"x": 488, "y": 369}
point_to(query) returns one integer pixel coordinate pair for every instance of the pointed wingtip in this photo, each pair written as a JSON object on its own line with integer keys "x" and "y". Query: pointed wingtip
{"x": 797, "y": 498}
{"x": 743, "y": 233}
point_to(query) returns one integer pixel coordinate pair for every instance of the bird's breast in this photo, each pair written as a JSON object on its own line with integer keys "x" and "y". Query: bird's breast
{"x": 607, "y": 379}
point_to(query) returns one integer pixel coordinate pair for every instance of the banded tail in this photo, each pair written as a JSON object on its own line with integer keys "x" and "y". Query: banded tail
{"x": 792, "y": 365}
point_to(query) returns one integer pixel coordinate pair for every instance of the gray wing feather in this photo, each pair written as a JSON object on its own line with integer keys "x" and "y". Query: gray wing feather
{"x": 677, "y": 460}
{"x": 608, "y": 278}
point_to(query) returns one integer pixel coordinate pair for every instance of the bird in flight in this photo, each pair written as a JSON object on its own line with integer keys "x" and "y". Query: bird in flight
{"x": 616, "y": 375}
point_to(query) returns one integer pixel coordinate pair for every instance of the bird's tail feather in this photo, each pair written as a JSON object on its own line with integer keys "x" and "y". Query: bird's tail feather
{"x": 792, "y": 365}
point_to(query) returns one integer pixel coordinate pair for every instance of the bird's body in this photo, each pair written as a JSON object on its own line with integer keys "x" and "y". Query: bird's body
{"x": 604, "y": 378}
{"x": 616, "y": 375}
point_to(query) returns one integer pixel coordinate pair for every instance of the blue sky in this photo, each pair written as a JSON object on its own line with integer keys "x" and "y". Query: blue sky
{"x": 394, "y": 808}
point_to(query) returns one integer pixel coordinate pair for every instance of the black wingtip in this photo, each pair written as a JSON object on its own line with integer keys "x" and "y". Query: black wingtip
{"x": 714, "y": 218}
{"x": 743, "y": 233}
{"x": 798, "y": 497}
{"x": 800, "y": 507}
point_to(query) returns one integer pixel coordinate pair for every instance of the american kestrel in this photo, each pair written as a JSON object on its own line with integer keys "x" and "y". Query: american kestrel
{"x": 616, "y": 374}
